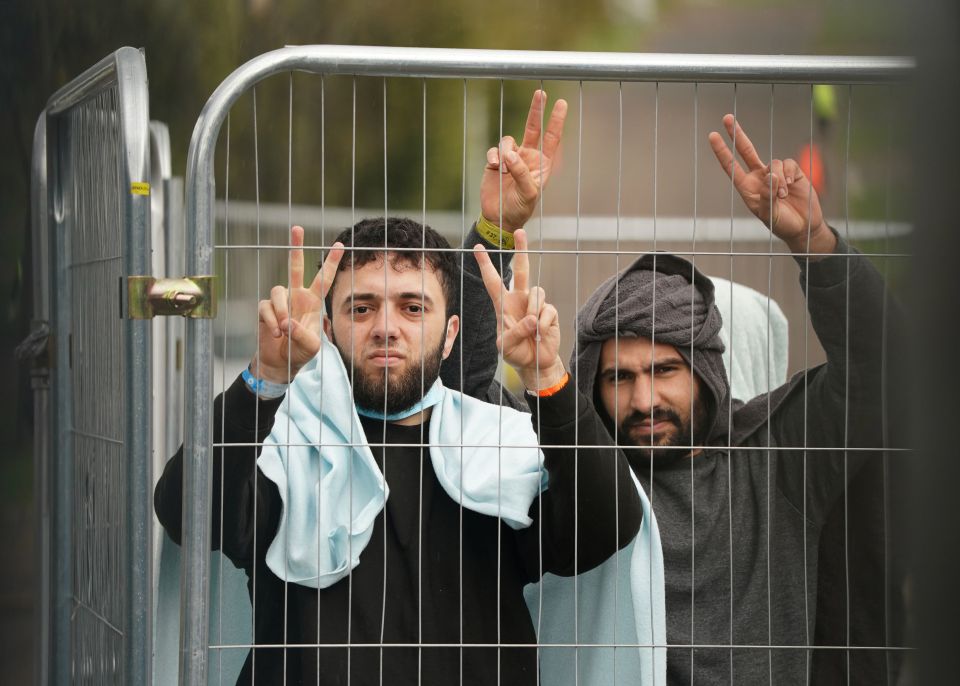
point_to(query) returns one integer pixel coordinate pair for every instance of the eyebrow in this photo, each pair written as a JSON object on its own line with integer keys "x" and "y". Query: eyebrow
{"x": 377, "y": 297}
{"x": 412, "y": 295}
{"x": 663, "y": 362}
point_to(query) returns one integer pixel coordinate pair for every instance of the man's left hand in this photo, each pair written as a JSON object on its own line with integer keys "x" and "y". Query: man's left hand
{"x": 528, "y": 328}
{"x": 779, "y": 190}
{"x": 516, "y": 175}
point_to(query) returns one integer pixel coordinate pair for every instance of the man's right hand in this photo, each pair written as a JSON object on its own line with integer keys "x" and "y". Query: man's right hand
{"x": 516, "y": 175}
{"x": 290, "y": 321}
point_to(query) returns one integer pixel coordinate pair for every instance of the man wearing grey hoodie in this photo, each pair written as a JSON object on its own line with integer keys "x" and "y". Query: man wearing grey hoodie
{"x": 741, "y": 491}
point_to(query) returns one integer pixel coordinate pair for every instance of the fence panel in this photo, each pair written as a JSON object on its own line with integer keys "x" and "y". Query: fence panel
{"x": 574, "y": 253}
{"x": 96, "y": 217}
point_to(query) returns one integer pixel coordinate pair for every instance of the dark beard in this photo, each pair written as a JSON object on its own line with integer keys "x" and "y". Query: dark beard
{"x": 403, "y": 391}
{"x": 681, "y": 437}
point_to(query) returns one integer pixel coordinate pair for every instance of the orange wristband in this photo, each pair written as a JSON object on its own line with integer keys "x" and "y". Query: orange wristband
{"x": 555, "y": 388}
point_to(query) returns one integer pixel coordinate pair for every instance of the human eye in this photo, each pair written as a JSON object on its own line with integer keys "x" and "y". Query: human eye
{"x": 617, "y": 376}
{"x": 415, "y": 308}
{"x": 360, "y": 310}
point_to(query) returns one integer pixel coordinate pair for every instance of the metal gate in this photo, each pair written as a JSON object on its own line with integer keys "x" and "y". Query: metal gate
{"x": 362, "y": 62}
{"x": 91, "y": 208}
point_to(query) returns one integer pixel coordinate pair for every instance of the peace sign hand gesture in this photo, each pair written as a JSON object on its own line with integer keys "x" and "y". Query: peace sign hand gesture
{"x": 519, "y": 173}
{"x": 797, "y": 217}
{"x": 528, "y": 329}
{"x": 290, "y": 321}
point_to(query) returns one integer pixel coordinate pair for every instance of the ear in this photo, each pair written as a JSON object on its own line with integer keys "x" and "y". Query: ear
{"x": 328, "y": 327}
{"x": 453, "y": 328}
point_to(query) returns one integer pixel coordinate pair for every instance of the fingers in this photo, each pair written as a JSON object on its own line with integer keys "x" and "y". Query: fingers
{"x": 742, "y": 143}
{"x": 792, "y": 171}
{"x": 531, "y": 132}
{"x": 518, "y": 334}
{"x": 496, "y": 155}
{"x": 549, "y": 318}
{"x": 522, "y": 177}
{"x": 551, "y": 139}
{"x": 777, "y": 182}
{"x": 268, "y": 318}
{"x": 536, "y": 301}
{"x": 521, "y": 261}
{"x": 725, "y": 158}
{"x": 305, "y": 338}
{"x": 328, "y": 271}
{"x": 278, "y": 301}
{"x": 491, "y": 279}
{"x": 296, "y": 257}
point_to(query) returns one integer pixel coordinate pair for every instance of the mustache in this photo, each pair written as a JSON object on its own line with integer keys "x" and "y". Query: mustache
{"x": 657, "y": 415}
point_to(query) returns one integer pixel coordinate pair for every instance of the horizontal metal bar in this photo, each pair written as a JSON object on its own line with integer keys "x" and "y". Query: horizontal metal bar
{"x": 90, "y": 82}
{"x": 627, "y": 446}
{"x": 594, "y": 66}
{"x": 574, "y": 251}
{"x": 590, "y": 227}
{"x": 493, "y": 644}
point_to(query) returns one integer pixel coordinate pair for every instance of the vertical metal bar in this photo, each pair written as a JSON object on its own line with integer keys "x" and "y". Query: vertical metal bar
{"x": 256, "y": 420}
{"x": 576, "y": 413}
{"x": 806, "y": 408}
{"x": 40, "y": 384}
{"x": 653, "y": 328}
{"x": 846, "y": 386}
{"x": 59, "y": 181}
{"x": 423, "y": 266}
{"x": 198, "y": 425}
{"x": 173, "y": 238}
{"x": 463, "y": 238}
{"x": 386, "y": 380}
{"x": 134, "y": 102}
{"x": 768, "y": 422}
{"x": 733, "y": 188}
{"x": 616, "y": 357}
{"x": 223, "y": 389}
{"x": 693, "y": 371}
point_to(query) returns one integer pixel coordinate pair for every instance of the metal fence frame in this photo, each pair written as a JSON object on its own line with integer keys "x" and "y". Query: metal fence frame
{"x": 418, "y": 63}
{"x": 124, "y": 70}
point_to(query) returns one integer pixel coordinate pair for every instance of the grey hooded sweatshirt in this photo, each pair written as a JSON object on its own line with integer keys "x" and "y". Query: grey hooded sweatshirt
{"x": 741, "y": 521}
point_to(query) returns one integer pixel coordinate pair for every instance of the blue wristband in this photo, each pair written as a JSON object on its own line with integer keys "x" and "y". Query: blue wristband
{"x": 267, "y": 390}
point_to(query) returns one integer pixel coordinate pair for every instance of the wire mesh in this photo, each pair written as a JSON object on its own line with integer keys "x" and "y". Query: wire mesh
{"x": 733, "y": 531}
{"x": 97, "y": 423}
{"x": 97, "y": 226}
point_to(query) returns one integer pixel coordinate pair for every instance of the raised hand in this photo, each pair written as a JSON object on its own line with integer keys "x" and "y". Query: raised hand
{"x": 521, "y": 172}
{"x": 290, "y": 321}
{"x": 796, "y": 215}
{"x": 528, "y": 329}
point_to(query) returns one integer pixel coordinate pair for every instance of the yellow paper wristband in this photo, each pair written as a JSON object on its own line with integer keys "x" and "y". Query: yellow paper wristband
{"x": 493, "y": 234}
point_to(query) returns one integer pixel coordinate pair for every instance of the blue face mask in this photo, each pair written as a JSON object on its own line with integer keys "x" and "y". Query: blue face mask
{"x": 430, "y": 398}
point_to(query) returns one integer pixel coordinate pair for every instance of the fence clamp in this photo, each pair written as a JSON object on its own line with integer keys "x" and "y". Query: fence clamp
{"x": 192, "y": 296}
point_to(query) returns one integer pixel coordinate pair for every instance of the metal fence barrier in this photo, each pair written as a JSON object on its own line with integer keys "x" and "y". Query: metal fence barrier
{"x": 202, "y": 249}
{"x": 91, "y": 210}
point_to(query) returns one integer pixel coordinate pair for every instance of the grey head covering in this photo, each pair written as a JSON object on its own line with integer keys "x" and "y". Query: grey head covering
{"x": 664, "y": 298}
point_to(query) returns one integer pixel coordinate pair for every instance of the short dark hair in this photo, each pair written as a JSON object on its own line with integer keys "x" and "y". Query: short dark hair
{"x": 409, "y": 243}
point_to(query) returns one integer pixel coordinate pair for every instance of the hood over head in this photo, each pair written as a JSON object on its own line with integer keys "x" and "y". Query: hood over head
{"x": 664, "y": 298}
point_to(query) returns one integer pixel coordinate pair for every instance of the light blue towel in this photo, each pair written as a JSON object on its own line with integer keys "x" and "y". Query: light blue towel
{"x": 621, "y": 602}
{"x": 332, "y": 489}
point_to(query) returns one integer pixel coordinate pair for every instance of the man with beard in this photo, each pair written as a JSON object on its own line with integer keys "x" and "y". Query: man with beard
{"x": 743, "y": 492}
{"x": 371, "y": 506}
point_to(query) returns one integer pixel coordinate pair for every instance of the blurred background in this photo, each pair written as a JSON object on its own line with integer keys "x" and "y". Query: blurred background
{"x": 191, "y": 46}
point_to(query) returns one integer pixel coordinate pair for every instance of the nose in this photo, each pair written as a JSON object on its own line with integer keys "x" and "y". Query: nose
{"x": 385, "y": 326}
{"x": 644, "y": 395}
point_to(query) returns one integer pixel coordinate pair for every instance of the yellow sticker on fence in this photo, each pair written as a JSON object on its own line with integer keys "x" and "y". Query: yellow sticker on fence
{"x": 140, "y": 188}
